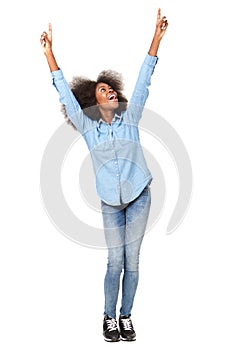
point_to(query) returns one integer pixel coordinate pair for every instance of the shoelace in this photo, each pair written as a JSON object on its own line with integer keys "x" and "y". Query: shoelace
{"x": 127, "y": 324}
{"x": 112, "y": 325}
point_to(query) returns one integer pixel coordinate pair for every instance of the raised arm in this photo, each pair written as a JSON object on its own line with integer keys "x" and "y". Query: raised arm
{"x": 141, "y": 91}
{"x": 160, "y": 29}
{"x": 46, "y": 43}
{"x": 66, "y": 96}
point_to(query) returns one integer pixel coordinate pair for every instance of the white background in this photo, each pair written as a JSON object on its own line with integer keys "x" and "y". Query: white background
{"x": 51, "y": 288}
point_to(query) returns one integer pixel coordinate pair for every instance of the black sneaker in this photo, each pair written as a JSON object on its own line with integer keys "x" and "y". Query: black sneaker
{"x": 110, "y": 330}
{"x": 126, "y": 328}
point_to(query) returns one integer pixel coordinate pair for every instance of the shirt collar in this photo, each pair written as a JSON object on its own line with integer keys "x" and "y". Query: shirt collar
{"x": 116, "y": 117}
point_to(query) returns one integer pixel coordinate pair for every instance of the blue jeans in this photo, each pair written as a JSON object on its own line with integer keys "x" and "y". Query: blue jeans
{"x": 124, "y": 228}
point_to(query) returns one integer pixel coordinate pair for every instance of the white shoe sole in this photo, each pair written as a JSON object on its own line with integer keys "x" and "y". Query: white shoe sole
{"x": 125, "y": 339}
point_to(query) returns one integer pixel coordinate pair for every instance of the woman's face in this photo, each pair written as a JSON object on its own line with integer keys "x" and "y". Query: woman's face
{"x": 106, "y": 96}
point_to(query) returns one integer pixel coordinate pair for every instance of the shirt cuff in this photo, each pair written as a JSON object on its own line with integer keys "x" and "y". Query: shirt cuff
{"x": 151, "y": 60}
{"x": 57, "y": 74}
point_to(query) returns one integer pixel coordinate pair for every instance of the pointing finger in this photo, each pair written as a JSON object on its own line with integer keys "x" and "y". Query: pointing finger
{"x": 159, "y": 14}
{"x": 50, "y": 28}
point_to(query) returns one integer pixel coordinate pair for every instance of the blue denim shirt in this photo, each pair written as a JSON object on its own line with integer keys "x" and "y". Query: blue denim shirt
{"x": 118, "y": 161}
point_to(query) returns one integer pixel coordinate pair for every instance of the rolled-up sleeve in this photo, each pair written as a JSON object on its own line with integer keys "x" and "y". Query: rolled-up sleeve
{"x": 141, "y": 91}
{"x": 67, "y": 98}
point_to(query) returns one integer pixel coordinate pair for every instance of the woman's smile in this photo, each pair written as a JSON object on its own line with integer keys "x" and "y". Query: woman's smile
{"x": 106, "y": 94}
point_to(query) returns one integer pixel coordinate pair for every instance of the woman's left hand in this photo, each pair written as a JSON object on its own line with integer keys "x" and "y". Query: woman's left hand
{"x": 161, "y": 25}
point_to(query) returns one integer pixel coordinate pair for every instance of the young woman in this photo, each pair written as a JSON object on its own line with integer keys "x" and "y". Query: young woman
{"x": 99, "y": 111}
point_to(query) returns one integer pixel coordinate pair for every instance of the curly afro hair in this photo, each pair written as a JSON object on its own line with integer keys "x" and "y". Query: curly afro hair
{"x": 84, "y": 92}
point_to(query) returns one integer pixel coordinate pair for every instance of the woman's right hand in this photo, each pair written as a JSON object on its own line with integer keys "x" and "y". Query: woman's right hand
{"x": 46, "y": 40}
{"x": 46, "y": 43}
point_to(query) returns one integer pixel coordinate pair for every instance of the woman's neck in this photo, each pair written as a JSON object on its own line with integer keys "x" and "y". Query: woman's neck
{"x": 107, "y": 116}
